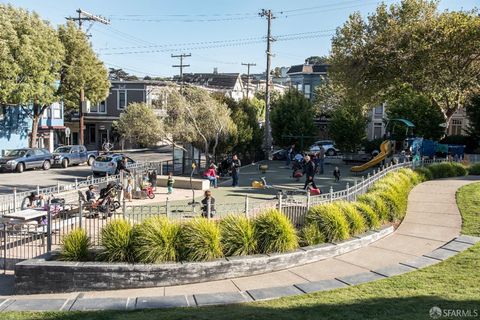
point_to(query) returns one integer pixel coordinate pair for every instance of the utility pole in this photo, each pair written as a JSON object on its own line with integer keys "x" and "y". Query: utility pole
{"x": 268, "y": 129}
{"x": 84, "y": 16}
{"x": 248, "y": 75}
{"x": 181, "y": 66}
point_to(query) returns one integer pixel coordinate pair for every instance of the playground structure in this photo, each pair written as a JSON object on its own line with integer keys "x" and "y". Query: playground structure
{"x": 405, "y": 144}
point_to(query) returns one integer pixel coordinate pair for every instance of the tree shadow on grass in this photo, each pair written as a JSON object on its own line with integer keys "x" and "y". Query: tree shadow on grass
{"x": 382, "y": 308}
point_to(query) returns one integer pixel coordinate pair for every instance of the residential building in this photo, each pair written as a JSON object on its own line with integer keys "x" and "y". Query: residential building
{"x": 99, "y": 120}
{"x": 306, "y": 77}
{"x": 16, "y": 127}
{"x": 458, "y": 123}
{"x": 376, "y": 127}
{"x": 230, "y": 84}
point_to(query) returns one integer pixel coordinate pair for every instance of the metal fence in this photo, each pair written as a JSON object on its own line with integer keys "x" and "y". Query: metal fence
{"x": 21, "y": 241}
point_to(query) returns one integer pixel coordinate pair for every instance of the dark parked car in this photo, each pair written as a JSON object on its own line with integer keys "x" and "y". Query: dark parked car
{"x": 20, "y": 159}
{"x": 75, "y": 154}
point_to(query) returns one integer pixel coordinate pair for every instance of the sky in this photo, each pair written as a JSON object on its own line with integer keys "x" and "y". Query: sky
{"x": 143, "y": 34}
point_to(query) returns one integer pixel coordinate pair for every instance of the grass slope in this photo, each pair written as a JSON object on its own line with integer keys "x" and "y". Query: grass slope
{"x": 452, "y": 284}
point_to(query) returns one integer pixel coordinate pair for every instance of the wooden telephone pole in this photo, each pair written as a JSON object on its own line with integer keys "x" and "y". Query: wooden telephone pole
{"x": 268, "y": 128}
{"x": 84, "y": 16}
{"x": 181, "y": 66}
{"x": 248, "y": 76}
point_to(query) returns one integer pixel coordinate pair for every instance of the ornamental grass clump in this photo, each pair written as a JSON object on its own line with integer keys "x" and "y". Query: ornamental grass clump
{"x": 118, "y": 242}
{"x": 474, "y": 169}
{"x": 414, "y": 177}
{"x": 395, "y": 202}
{"x": 75, "y": 246}
{"x": 424, "y": 174}
{"x": 157, "y": 240}
{"x": 377, "y": 204}
{"x": 460, "y": 169}
{"x": 237, "y": 236}
{"x": 274, "y": 232}
{"x": 330, "y": 220}
{"x": 201, "y": 240}
{"x": 442, "y": 170}
{"x": 311, "y": 235}
{"x": 368, "y": 214}
{"x": 356, "y": 222}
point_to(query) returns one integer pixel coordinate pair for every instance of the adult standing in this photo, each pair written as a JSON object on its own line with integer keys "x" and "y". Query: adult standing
{"x": 290, "y": 152}
{"x": 321, "y": 159}
{"x": 309, "y": 173}
{"x": 235, "y": 168}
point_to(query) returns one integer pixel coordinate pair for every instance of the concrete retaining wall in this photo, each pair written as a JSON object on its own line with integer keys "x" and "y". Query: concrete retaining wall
{"x": 43, "y": 275}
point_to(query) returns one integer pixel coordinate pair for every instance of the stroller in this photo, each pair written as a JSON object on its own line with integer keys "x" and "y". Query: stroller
{"x": 106, "y": 202}
{"x": 224, "y": 167}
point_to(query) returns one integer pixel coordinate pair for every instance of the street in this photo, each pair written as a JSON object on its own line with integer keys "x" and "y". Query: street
{"x": 30, "y": 179}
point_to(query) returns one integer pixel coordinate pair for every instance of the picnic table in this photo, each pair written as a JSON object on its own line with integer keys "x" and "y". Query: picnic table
{"x": 26, "y": 214}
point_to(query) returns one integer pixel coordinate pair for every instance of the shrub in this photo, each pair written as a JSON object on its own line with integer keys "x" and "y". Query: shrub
{"x": 377, "y": 204}
{"x": 396, "y": 203}
{"x": 201, "y": 240}
{"x": 424, "y": 173}
{"x": 443, "y": 170}
{"x": 311, "y": 235}
{"x": 330, "y": 220}
{"x": 157, "y": 240}
{"x": 75, "y": 246}
{"x": 238, "y": 236}
{"x": 460, "y": 169}
{"x": 118, "y": 241}
{"x": 474, "y": 169}
{"x": 274, "y": 232}
{"x": 356, "y": 222}
{"x": 414, "y": 177}
{"x": 368, "y": 213}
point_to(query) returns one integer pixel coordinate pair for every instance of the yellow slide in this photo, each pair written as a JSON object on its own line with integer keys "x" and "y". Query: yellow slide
{"x": 385, "y": 149}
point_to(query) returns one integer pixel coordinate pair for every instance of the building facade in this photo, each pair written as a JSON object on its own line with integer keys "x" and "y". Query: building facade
{"x": 230, "y": 84}
{"x": 99, "y": 120}
{"x": 16, "y": 127}
{"x": 306, "y": 77}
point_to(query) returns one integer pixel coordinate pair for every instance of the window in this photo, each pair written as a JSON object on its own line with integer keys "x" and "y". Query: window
{"x": 306, "y": 90}
{"x": 122, "y": 99}
{"x": 379, "y": 110}
{"x": 99, "y": 107}
{"x": 456, "y": 128}
{"x": 57, "y": 112}
{"x": 377, "y": 131}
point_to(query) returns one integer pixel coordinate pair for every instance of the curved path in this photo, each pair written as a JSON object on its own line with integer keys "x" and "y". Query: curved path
{"x": 429, "y": 234}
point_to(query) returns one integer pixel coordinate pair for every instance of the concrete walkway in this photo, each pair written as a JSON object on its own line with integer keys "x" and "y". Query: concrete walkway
{"x": 430, "y": 233}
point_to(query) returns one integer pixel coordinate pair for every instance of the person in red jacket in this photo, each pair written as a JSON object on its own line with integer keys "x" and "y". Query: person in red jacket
{"x": 211, "y": 174}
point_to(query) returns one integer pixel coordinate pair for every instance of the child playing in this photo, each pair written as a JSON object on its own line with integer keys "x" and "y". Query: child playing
{"x": 128, "y": 190}
{"x": 170, "y": 183}
{"x": 336, "y": 174}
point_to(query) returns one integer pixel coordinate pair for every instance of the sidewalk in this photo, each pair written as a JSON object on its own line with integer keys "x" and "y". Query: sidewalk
{"x": 429, "y": 234}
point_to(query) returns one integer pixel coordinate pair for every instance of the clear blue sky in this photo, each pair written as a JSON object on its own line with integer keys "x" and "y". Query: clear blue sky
{"x": 142, "y": 25}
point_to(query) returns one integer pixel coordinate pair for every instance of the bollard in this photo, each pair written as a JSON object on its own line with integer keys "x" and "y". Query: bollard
{"x": 49, "y": 227}
{"x": 80, "y": 211}
{"x": 209, "y": 208}
{"x": 246, "y": 206}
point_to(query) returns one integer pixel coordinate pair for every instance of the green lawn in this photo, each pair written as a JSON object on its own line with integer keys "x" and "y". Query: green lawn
{"x": 453, "y": 284}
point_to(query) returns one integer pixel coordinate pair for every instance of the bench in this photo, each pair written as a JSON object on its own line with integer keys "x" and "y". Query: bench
{"x": 184, "y": 183}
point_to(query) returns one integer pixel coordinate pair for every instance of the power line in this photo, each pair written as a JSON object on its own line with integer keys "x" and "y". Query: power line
{"x": 248, "y": 64}
{"x": 181, "y": 66}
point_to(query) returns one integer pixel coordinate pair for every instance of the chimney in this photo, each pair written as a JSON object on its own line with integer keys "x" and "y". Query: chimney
{"x": 215, "y": 70}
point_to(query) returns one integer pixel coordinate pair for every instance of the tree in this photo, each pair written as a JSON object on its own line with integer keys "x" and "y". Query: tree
{"x": 30, "y": 59}
{"x": 417, "y": 108}
{"x": 316, "y": 60}
{"x": 196, "y": 117}
{"x": 139, "y": 124}
{"x": 292, "y": 119}
{"x": 328, "y": 96}
{"x": 348, "y": 127}
{"x": 120, "y": 74}
{"x": 473, "y": 114}
{"x": 436, "y": 54}
{"x": 83, "y": 75}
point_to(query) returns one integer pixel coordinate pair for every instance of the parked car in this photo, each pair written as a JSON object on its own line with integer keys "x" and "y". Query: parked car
{"x": 107, "y": 164}
{"x": 74, "y": 154}
{"x": 280, "y": 154}
{"x": 328, "y": 145}
{"x": 28, "y": 158}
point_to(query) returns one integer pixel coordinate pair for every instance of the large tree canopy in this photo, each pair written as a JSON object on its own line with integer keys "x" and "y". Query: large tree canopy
{"x": 347, "y": 127}
{"x": 473, "y": 114}
{"x": 81, "y": 69}
{"x": 437, "y": 54}
{"x": 417, "y": 108}
{"x": 292, "y": 119}
{"x": 30, "y": 59}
